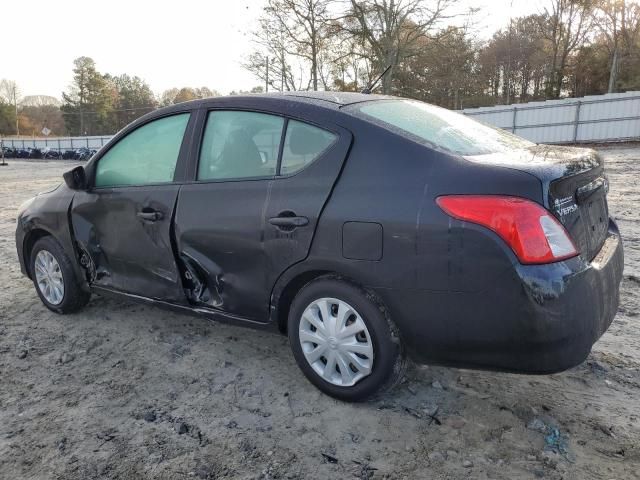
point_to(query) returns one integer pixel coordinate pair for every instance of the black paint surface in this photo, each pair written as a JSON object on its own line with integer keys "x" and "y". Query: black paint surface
{"x": 368, "y": 213}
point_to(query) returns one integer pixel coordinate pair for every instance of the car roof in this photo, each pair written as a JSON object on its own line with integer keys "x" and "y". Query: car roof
{"x": 314, "y": 99}
{"x": 337, "y": 98}
{"x": 332, "y": 100}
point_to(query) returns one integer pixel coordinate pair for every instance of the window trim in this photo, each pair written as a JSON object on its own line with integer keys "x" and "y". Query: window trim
{"x": 283, "y": 137}
{"x": 182, "y": 152}
{"x": 203, "y": 130}
{"x": 322, "y": 154}
{"x": 277, "y": 176}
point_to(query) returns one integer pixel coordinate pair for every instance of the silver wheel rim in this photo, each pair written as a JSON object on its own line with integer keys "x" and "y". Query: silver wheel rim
{"x": 335, "y": 342}
{"x": 49, "y": 277}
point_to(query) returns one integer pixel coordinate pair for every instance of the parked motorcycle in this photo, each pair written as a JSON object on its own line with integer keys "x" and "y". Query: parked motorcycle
{"x": 84, "y": 153}
{"x": 9, "y": 152}
{"x": 51, "y": 154}
{"x": 22, "y": 153}
{"x": 35, "y": 153}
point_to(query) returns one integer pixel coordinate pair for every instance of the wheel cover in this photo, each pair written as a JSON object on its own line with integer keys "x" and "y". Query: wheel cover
{"x": 49, "y": 277}
{"x": 335, "y": 342}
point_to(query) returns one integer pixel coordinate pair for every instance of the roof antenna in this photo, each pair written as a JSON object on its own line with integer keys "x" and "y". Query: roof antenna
{"x": 369, "y": 89}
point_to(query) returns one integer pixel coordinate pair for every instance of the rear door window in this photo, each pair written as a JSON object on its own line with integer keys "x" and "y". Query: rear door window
{"x": 303, "y": 144}
{"x": 240, "y": 144}
{"x": 148, "y": 155}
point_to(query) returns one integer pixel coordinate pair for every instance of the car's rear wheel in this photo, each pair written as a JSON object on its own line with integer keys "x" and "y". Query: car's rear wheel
{"x": 343, "y": 340}
{"x": 55, "y": 280}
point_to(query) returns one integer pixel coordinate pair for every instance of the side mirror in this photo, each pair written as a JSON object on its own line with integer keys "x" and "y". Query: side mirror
{"x": 75, "y": 178}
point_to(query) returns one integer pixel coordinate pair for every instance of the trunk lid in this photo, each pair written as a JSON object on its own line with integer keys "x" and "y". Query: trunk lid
{"x": 574, "y": 188}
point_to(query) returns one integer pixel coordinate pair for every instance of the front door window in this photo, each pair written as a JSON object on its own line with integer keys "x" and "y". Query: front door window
{"x": 148, "y": 155}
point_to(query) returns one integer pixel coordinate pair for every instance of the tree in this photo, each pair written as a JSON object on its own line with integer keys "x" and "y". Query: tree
{"x": 618, "y": 22}
{"x": 40, "y": 101}
{"x": 514, "y": 61}
{"x": 303, "y": 26}
{"x": 33, "y": 118}
{"x": 184, "y": 94}
{"x": 565, "y": 26}
{"x": 275, "y": 60}
{"x": 444, "y": 73}
{"x": 392, "y": 30}
{"x": 278, "y": 72}
{"x": 348, "y": 59}
{"x": 10, "y": 92}
{"x": 589, "y": 74}
{"x": 88, "y": 105}
{"x": 134, "y": 98}
{"x": 205, "y": 92}
{"x": 7, "y": 118}
{"x": 29, "y": 114}
{"x": 258, "y": 89}
{"x": 167, "y": 97}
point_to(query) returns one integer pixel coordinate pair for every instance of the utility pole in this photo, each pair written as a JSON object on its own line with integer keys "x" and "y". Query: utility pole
{"x": 282, "y": 60}
{"x": 282, "y": 70}
{"x": 614, "y": 71}
{"x": 618, "y": 8}
{"x": 266, "y": 81}
{"x": 508, "y": 79}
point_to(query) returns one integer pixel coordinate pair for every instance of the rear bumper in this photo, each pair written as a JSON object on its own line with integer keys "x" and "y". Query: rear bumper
{"x": 537, "y": 319}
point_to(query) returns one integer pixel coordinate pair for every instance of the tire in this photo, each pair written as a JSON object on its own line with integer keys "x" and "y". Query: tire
{"x": 386, "y": 365}
{"x": 73, "y": 297}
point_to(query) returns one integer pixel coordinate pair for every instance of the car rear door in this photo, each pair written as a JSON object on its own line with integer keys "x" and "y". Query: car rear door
{"x": 260, "y": 185}
{"x": 311, "y": 161}
{"x": 123, "y": 223}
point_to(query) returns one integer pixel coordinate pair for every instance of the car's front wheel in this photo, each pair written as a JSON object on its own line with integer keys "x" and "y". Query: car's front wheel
{"x": 55, "y": 280}
{"x": 343, "y": 340}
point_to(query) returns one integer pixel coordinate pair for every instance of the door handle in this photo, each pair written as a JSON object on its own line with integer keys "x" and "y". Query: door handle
{"x": 153, "y": 216}
{"x": 289, "y": 222}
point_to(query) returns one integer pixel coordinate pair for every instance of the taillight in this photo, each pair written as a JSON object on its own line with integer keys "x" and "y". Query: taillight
{"x": 534, "y": 235}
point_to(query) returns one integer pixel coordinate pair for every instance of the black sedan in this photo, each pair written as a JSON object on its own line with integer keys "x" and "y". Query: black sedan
{"x": 367, "y": 228}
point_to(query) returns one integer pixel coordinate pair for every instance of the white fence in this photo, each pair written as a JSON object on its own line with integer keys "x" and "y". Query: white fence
{"x": 59, "y": 144}
{"x": 597, "y": 118}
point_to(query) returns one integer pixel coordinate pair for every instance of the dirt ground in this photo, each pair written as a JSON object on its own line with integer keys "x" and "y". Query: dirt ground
{"x": 127, "y": 391}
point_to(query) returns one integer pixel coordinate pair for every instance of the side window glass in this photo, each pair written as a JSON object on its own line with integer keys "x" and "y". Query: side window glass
{"x": 240, "y": 145}
{"x": 302, "y": 145}
{"x": 145, "y": 156}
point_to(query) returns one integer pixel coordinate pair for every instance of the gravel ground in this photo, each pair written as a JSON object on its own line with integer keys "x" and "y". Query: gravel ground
{"x": 129, "y": 391}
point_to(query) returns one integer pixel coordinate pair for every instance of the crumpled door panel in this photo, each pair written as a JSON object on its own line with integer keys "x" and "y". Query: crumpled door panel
{"x": 127, "y": 252}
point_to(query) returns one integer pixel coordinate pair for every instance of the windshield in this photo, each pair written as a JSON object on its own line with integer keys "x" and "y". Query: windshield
{"x": 439, "y": 127}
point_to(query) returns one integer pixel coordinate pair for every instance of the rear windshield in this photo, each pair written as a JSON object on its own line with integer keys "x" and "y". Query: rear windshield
{"x": 439, "y": 127}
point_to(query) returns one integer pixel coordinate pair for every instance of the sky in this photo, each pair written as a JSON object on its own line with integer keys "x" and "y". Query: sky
{"x": 167, "y": 43}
